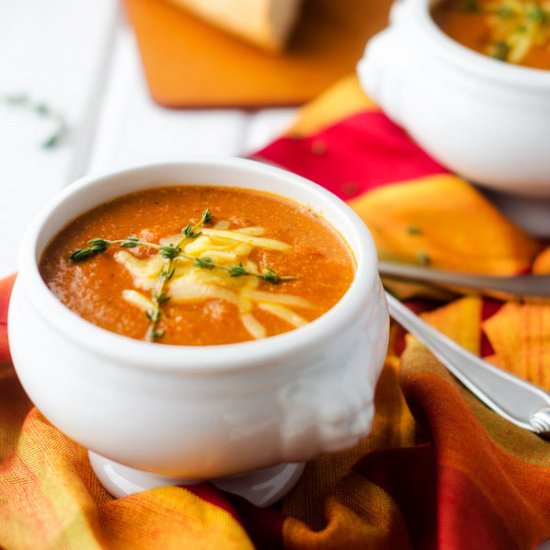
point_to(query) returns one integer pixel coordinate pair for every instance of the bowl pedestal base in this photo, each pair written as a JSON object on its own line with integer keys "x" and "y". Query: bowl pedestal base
{"x": 260, "y": 487}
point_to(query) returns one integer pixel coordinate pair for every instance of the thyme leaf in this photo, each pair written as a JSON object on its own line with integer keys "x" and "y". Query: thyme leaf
{"x": 157, "y": 333}
{"x": 207, "y": 216}
{"x": 414, "y": 230}
{"x": 161, "y": 298}
{"x": 44, "y": 110}
{"x": 153, "y": 315}
{"x": 204, "y": 263}
{"x": 189, "y": 232}
{"x": 470, "y": 6}
{"x": 237, "y": 270}
{"x": 271, "y": 276}
{"x": 97, "y": 247}
{"x": 169, "y": 252}
{"x": 500, "y": 50}
{"x": 167, "y": 274}
{"x": 423, "y": 258}
{"x": 537, "y": 14}
{"x": 130, "y": 242}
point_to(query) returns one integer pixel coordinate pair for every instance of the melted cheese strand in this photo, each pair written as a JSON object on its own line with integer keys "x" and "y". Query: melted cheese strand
{"x": 253, "y": 326}
{"x": 255, "y": 231}
{"x": 222, "y": 224}
{"x": 269, "y": 244}
{"x": 206, "y": 243}
{"x": 243, "y": 249}
{"x": 220, "y": 256}
{"x": 284, "y": 313}
{"x": 144, "y": 272}
{"x": 138, "y": 299}
{"x": 181, "y": 290}
{"x": 198, "y": 245}
{"x": 284, "y": 299}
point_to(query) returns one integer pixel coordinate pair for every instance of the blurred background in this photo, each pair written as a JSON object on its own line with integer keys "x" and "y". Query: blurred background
{"x": 91, "y": 86}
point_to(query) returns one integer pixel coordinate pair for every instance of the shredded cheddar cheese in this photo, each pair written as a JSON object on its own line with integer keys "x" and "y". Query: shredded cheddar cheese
{"x": 138, "y": 299}
{"x": 190, "y": 283}
{"x": 284, "y": 313}
{"x": 144, "y": 272}
{"x": 270, "y": 244}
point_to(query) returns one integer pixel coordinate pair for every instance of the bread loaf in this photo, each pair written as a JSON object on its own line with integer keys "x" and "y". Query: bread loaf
{"x": 265, "y": 23}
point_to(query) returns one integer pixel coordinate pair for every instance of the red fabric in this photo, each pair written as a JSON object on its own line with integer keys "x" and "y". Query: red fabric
{"x": 5, "y": 293}
{"x": 490, "y": 308}
{"x": 354, "y": 156}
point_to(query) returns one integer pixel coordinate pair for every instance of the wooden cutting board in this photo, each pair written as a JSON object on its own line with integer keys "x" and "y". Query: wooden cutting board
{"x": 191, "y": 64}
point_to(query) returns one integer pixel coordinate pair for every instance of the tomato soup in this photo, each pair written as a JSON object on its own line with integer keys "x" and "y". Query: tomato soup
{"x": 516, "y": 31}
{"x": 194, "y": 265}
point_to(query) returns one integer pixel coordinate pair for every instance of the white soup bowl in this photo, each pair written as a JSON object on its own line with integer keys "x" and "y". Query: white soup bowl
{"x": 154, "y": 414}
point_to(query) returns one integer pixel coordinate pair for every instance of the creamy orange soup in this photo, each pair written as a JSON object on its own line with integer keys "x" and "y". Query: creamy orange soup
{"x": 516, "y": 31}
{"x": 195, "y": 265}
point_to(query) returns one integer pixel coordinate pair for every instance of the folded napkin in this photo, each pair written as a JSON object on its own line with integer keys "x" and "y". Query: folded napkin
{"x": 439, "y": 469}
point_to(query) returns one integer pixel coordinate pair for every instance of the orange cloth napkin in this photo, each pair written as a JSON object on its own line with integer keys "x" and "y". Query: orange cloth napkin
{"x": 439, "y": 469}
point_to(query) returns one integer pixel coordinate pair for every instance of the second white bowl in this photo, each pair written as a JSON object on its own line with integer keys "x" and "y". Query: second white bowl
{"x": 486, "y": 120}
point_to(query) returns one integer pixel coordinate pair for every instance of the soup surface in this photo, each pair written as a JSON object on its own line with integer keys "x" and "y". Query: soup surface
{"x": 517, "y": 31}
{"x": 195, "y": 265}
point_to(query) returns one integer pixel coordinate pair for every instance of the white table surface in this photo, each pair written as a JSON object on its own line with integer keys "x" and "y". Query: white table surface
{"x": 81, "y": 58}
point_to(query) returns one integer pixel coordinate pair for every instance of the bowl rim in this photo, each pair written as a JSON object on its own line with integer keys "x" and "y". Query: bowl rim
{"x": 482, "y": 66}
{"x": 199, "y": 359}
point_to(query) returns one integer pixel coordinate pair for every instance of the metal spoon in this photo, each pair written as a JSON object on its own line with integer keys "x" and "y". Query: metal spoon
{"x": 520, "y": 402}
{"x": 525, "y": 286}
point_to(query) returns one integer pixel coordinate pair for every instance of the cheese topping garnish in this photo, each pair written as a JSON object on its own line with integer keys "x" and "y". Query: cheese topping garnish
{"x": 190, "y": 282}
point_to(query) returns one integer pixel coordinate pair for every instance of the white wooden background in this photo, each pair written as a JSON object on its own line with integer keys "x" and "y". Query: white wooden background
{"x": 81, "y": 58}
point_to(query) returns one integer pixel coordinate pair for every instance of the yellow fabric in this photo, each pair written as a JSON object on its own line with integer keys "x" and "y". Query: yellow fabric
{"x": 344, "y": 99}
{"x": 51, "y": 499}
{"x": 446, "y": 232}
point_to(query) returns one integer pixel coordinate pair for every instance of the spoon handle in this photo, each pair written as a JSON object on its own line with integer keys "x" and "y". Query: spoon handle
{"x": 525, "y": 286}
{"x": 515, "y": 399}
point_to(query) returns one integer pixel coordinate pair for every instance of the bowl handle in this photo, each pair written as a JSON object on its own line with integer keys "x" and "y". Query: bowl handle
{"x": 385, "y": 63}
{"x": 330, "y": 405}
{"x": 320, "y": 417}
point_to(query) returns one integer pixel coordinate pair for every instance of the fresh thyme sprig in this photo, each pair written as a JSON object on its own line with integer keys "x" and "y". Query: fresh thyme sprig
{"x": 268, "y": 275}
{"x": 44, "y": 110}
{"x": 97, "y": 246}
{"x": 170, "y": 253}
